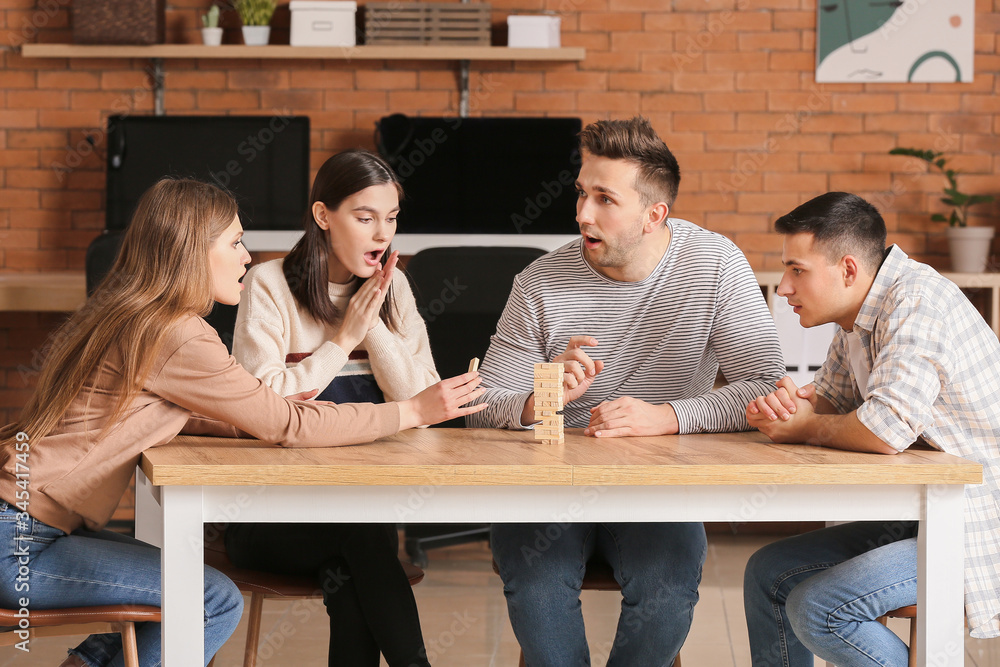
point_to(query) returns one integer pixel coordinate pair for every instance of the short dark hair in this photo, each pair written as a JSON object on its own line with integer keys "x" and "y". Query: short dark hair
{"x": 636, "y": 141}
{"x": 841, "y": 224}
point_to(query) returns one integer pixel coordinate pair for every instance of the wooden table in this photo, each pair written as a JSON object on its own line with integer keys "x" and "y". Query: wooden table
{"x": 43, "y": 292}
{"x": 476, "y": 475}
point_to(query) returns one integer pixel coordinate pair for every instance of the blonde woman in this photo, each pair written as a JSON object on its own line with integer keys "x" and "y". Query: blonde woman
{"x": 133, "y": 368}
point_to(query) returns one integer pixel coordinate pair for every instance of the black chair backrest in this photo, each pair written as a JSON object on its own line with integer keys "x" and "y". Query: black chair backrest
{"x": 101, "y": 255}
{"x": 460, "y": 293}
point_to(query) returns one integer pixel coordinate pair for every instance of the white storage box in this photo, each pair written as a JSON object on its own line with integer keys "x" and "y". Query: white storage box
{"x": 323, "y": 22}
{"x": 533, "y": 32}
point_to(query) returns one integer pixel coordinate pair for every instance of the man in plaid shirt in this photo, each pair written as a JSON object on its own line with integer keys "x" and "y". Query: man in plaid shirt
{"x": 912, "y": 360}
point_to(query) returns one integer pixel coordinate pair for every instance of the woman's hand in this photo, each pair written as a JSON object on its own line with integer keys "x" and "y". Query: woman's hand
{"x": 442, "y": 401}
{"x": 362, "y": 312}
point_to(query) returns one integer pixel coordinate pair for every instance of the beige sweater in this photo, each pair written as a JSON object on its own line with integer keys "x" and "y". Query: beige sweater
{"x": 271, "y": 326}
{"x": 77, "y": 480}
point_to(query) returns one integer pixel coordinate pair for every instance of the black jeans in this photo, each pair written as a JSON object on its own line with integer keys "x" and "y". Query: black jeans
{"x": 365, "y": 589}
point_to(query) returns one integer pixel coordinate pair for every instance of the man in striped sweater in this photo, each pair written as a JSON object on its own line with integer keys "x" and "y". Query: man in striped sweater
{"x": 643, "y": 310}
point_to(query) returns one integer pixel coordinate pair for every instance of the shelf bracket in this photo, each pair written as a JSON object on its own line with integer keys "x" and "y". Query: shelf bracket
{"x": 159, "y": 107}
{"x": 463, "y": 84}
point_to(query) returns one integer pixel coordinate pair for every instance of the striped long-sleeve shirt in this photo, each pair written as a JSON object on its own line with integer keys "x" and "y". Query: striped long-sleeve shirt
{"x": 662, "y": 339}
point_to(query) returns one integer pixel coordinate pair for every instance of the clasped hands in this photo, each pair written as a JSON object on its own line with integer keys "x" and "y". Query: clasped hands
{"x": 785, "y": 414}
{"x": 620, "y": 417}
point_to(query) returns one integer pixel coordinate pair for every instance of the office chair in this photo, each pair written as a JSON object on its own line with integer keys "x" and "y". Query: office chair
{"x": 102, "y": 253}
{"x": 460, "y": 293}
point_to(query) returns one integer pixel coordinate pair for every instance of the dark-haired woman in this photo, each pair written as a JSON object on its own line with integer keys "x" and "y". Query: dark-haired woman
{"x": 334, "y": 316}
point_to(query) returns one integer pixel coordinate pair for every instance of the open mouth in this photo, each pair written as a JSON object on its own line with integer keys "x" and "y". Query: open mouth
{"x": 372, "y": 256}
{"x": 591, "y": 242}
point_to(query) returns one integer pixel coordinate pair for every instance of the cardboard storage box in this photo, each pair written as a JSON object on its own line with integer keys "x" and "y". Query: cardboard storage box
{"x": 533, "y": 32}
{"x": 323, "y": 22}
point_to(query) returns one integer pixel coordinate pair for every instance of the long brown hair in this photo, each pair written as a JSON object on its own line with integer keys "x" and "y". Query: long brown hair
{"x": 306, "y": 267}
{"x": 162, "y": 273}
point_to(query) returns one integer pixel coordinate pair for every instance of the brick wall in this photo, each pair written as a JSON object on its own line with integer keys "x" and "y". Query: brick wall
{"x": 728, "y": 83}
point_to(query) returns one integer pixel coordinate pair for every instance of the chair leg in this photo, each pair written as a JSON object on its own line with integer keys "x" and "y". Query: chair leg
{"x": 130, "y": 649}
{"x": 253, "y": 629}
{"x": 913, "y": 642}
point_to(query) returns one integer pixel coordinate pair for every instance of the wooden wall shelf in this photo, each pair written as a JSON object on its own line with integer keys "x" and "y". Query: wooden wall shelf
{"x": 276, "y": 51}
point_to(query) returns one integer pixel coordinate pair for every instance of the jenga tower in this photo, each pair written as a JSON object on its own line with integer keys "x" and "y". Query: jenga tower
{"x": 548, "y": 401}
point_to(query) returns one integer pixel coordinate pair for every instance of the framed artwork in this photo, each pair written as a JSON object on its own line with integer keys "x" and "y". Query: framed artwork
{"x": 893, "y": 41}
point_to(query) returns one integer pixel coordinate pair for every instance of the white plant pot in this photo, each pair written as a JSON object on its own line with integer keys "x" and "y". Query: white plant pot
{"x": 211, "y": 36}
{"x": 256, "y": 35}
{"x": 970, "y": 248}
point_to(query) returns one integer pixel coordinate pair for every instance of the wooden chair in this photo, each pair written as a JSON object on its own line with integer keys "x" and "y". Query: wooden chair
{"x": 910, "y": 612}
{"x": 597, "y": 577}
{"x": 120, "y": 618}
{"x": 261, "y": 586}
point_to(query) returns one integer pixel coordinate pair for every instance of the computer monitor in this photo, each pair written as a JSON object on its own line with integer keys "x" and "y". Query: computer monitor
{"x": 497, "y": 176}
{"x": 262, "y": 160}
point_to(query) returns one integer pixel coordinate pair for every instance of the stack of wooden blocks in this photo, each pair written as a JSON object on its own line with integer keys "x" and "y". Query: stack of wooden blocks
{"x": 548, "y": 402}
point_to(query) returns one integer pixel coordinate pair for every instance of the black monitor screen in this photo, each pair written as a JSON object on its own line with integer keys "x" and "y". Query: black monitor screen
{"x": 262, "y": 160}
{"x": 484, "y": 175}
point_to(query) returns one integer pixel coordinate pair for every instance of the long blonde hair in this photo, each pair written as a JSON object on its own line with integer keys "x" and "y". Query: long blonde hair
{"x": 162, "y": 273}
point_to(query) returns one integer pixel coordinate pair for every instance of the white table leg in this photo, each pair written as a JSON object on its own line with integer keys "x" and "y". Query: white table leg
{"x": 148, "y": 515}
{"x": 940, "y": 578}
{"x": 183, "y": 577}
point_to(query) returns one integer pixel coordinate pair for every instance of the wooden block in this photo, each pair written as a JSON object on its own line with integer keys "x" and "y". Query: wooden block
{"x": 474, "y": 364}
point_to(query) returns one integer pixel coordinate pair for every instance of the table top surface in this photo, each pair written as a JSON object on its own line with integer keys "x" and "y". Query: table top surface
{"x": 490, "y": 457}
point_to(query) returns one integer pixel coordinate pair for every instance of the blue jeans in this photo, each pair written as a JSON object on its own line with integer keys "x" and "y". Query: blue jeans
{"x": 821, "y": 593}
{"x": 86, "y": 569}
{"x": 658, "y": 566}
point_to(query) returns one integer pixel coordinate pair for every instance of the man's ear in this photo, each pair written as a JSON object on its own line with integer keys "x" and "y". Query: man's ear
{"x": 321, "y": 215}
{"x": 850, "y": 269}
{"x": 658, "y": 214}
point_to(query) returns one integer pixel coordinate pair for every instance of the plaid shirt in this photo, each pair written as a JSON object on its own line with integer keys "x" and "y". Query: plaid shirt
{"x": 935, "y": 374}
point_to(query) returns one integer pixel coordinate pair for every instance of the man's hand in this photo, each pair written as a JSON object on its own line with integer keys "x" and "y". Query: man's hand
{"x": 630, "y": 416}
{"x": 306, "y": 395}
{"x": 580, "y": 370}
{"x": 785, "y": 413}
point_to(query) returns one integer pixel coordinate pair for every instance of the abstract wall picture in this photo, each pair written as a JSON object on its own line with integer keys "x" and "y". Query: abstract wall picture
{"x": 893, "y": 41}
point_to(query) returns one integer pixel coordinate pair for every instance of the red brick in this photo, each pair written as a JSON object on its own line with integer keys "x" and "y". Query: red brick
{"x": 790, "y": 182}
{"x": 767, "y": 81}
{"x": 733, "y": 141}
{"x": 385, "y": 80}
{"x": 756, "y": 101}
{"x": 326, "y": 79}
{"x": 652, "y": 102}
{"x": 257, "y": 80}
{"x": 735, "y": 62}
{"x": 228, "y": 100}
{"x": 621, "y": 102}
{"x": 18, "y": 118}
{"x": 291, "y": 100}
{"x": 18, "y": 158}
{"x": 777, "y": 40}
{"x": 703, "y": 82}
{"x": 700, "y": 122}
{"x": 598, "y": 81}
{"x": 18, "y": 238}
{"x": 610, "y": 21}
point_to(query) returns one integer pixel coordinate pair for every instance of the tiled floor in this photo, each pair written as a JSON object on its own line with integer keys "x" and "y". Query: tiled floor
{"x": 464, "y": 619}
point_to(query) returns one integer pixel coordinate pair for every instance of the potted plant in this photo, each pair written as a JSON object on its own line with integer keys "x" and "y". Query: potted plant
{"x": 211, "y": 33}
{"x": 969, "y": 246}
{"x": 256, "y": 18}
